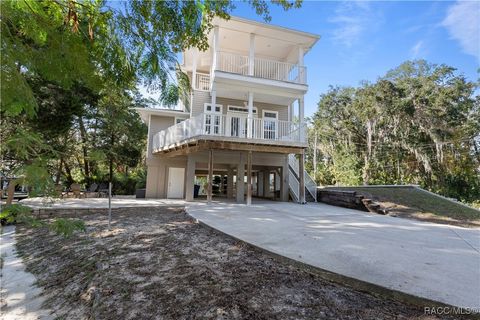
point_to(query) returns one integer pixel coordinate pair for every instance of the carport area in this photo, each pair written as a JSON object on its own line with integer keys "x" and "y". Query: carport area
{"x": 432, "y": 261}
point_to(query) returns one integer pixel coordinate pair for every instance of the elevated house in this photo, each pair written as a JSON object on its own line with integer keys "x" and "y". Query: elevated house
{"x": 243, "y": 123}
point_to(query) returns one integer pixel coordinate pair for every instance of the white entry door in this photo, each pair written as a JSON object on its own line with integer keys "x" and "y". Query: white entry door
{"x": 176, "y": 180}
{"x": 270, "y": 124}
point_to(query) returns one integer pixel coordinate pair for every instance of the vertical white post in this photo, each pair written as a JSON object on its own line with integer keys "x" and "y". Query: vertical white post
{"x": 241, "y": 180}
{"x": 250, "y": 116}
{"x": 109, "y": 204}
{"x": 216, "y": 49}
{"x": 210, "y": 176}
{"x": 230, "y": 183}
{"x": 301, "y": 72}
{"x": 301, "y": 174}
{"x": 249, "y": 178}
{"x": 149, "y": 142}
{"x": 194, "y": 69}
{"x": 285, "y": 179}
{"x": 214, "y": 98}
{"x": 301, "y": 116}
{"x": 190, "y": 177}
{"x": 251, "y": 55}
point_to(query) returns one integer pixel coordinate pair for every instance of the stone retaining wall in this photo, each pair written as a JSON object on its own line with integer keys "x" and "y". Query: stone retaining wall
{"x": 46, "y": 213}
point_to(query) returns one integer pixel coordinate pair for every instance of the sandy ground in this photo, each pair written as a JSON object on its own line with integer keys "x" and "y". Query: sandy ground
{"x": 159, "y": 264}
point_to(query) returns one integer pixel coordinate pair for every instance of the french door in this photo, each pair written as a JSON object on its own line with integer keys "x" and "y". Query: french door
{"x": 213, "y": 119}
{"x": 270, "y": 124}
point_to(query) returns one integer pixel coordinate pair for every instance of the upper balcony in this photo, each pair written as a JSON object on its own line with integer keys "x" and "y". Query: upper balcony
{"x": 258, "y": 56}
{"x": 261, "y": 68}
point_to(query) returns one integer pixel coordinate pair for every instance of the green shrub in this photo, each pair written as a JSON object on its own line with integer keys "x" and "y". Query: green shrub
{"x": 67, "y": 227}
{"x": 17, "y": 213}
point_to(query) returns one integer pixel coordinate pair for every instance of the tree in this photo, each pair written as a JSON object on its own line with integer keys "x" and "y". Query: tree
{"x": 417, "y": 124}
{"x": 61, "y": 61}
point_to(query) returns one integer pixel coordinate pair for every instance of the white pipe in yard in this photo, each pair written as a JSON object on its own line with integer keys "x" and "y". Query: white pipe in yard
{"x": 109, "y": 204}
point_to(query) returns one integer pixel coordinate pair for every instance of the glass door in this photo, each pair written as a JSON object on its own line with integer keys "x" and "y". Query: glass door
{"x": 270, "y": 124}
{"x": 213, "y": 119}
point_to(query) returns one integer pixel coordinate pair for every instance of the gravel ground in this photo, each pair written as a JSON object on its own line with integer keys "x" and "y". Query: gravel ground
{"x": 159, "y": 264}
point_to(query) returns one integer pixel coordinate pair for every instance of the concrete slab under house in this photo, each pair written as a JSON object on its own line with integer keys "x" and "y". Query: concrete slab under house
{"x": 241, "y": 133}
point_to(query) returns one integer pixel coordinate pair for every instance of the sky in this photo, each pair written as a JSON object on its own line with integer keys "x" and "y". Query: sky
{"x": 362, "y": 40}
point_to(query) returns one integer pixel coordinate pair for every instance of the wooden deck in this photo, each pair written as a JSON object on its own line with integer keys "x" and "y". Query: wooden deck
{"x": 209, "y": 142}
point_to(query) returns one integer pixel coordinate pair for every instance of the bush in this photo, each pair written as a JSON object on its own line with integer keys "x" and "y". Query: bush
{"x": 17, "y": 213}
{"x": 67, "y": 227}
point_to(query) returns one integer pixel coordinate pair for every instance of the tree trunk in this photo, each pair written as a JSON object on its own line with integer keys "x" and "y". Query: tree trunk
{"x": 83, "y": 136}
{"x": 68, "y": 173}
{"x": 11, "y": 190}
{"x": 59, "y": 172}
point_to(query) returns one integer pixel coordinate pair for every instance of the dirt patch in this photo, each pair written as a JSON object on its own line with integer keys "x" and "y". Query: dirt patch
{"x": 159, "y": 264}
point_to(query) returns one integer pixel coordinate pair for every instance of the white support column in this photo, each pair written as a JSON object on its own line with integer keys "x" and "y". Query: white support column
{"x": 149, "y": 147}
{"x": 301, "y": 69}
{"x": 214, "y": 98}
{"x": 194, "y": 69}
{"x": 301, "y": 174}
{"x": 190, "y": 178}
{"x": 260, "y": 184}
{"x": 251, "y": 55}
{"x": 301, "y": 116}
{"x": 210, "y": 176}
{"x": 249, "y": 178}
{"x": 285, "y": 180}
{"x": 292, "y": 111}
{"x": 266, "y": 183}
{"x": 216, "y": 48}
{"x": 241, "y": 180}
{"x": 230, "y": 183}
{"x": 250, "y": 116}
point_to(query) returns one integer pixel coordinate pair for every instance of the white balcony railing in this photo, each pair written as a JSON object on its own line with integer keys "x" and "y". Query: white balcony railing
{"x": 263, "y": 68}
{"x": 262, "y": 130}
{"x": 202, "y": 82}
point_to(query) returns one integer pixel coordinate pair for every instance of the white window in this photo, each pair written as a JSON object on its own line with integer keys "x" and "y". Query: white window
{"x": 207, "y": 108}
{"x": 178, "y": 120}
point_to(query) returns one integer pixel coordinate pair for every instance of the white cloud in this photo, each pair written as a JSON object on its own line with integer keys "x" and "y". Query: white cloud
{"x": 463, "y": 24}
{"x": 353, "y": 19}
{"x": 417, "y": 50}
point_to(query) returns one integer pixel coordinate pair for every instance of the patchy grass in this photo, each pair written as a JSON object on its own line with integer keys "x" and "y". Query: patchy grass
{"x": 410, "y": 202}
{"x": 162, "y": 265}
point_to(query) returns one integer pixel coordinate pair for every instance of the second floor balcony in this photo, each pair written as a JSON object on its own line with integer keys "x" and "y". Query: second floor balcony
{"x": 230, "y": 128}
{"x": 261, "y": 68}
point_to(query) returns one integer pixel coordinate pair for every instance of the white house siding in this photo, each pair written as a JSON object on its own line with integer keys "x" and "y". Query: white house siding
{"x": 199, "y": 99}
{"x": 157, "y": 168}
{"x": 157, "y": 174}
{"x": 157, "y": 124}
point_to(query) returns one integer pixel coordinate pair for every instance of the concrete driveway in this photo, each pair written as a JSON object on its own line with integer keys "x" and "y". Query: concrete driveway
{"x": 432, "y": 261}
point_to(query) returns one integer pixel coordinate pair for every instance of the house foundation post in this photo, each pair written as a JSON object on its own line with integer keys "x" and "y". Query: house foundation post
{"x": 266, "y": 183}
{"x": 260, "y": 183}
{"x": 249, "y": 178}
{"x": 285, "y": 181}
{"x": 230, "y": 183}
{"x": 241, "y": 180}
{"x": 210, "y": 176}
{"x": 301, "y": 175}
{"x": 190, "y": 178}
